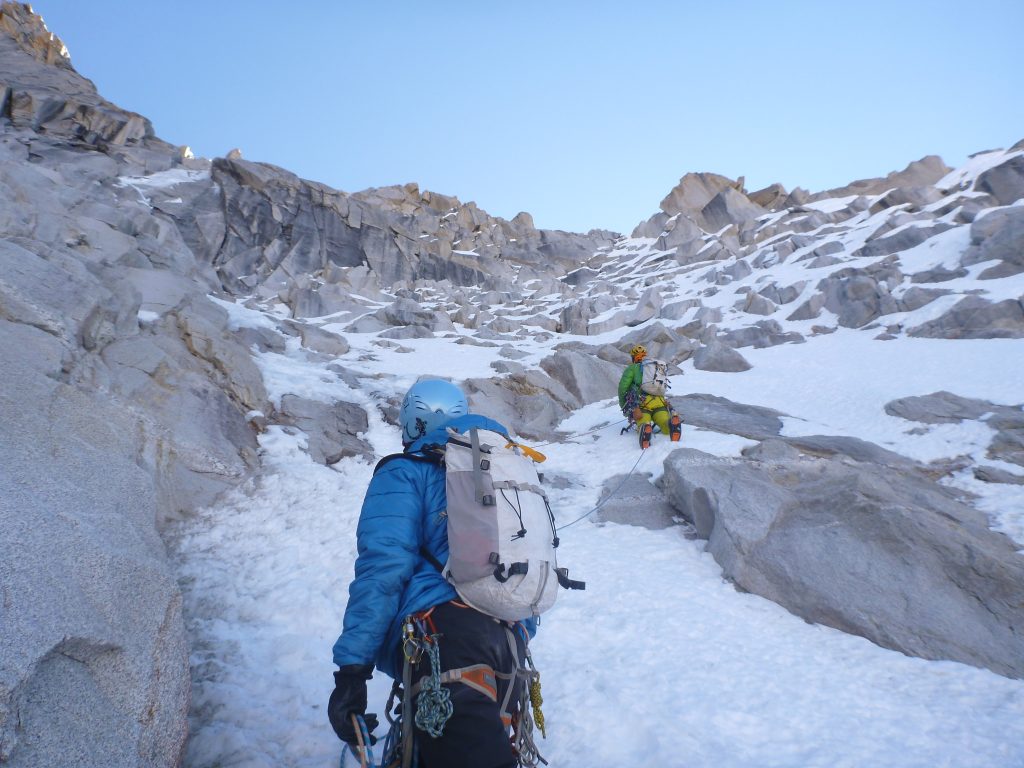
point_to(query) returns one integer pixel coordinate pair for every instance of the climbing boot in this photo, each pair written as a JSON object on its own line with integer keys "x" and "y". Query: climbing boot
{"x": 646, "y": 431}
{"x": 675, "y": 428}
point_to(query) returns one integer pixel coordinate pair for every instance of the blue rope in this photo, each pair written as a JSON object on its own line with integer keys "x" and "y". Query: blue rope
{"x": 392, "y": 742}
{"x": 368, "y": 751}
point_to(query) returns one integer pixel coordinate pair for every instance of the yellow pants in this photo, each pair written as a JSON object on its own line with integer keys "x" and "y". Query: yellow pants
{"x": 655, "y": 409}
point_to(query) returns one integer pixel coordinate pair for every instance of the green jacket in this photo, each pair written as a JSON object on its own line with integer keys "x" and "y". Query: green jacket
{"x": 632, "y": 377}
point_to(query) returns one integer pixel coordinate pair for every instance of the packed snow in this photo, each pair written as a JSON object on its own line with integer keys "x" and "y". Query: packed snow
{"x": 660, "y": 662}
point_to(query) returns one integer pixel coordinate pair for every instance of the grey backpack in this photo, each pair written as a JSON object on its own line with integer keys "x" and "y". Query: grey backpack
{"x": 501, "y": 531}
{"x": 655, "y": 378}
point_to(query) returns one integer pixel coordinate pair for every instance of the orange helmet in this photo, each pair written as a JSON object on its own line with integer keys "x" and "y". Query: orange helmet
{"x": 638, "y": 353}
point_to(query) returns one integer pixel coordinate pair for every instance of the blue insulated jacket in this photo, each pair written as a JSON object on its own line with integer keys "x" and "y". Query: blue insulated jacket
{"x": 402, "y": 512}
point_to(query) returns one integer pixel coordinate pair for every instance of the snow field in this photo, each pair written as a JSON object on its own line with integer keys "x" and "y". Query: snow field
{"x": 658, "y": 663}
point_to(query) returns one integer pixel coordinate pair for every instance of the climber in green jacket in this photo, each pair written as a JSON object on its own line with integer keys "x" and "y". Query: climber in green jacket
{"x": 646, "y": 404}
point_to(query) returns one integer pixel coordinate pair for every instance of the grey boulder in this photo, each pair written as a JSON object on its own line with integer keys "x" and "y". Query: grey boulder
{"x": 333, "y": 429}
{"x": 1005, "y": 182}
{"x": 635, "y": 500}
{"x": 587, "y": 377}
{"x": 718, "y": 357}
{"x": 719, "y": 414}
{"x": 530, "y": 403}
{"x": 730, "y": 207}
{"x": 938, "y": 408}
{"x": 976, "y": 318}
{"x": 998, "y": 236}
{"x": 873, "y": 551}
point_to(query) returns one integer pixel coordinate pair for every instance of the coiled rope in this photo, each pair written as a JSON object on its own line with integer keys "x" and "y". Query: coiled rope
{"x": 434, "y": 705}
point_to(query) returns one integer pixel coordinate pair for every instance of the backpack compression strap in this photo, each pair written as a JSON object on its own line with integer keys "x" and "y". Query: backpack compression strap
{"x": 565, "y": 582}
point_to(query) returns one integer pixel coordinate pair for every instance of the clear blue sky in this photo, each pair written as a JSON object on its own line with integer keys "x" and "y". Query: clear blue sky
{"x": 585, "y": 114}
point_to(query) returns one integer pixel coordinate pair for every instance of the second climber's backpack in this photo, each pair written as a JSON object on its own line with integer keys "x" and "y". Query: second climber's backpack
{"x": 655, "y": 378}
{"x": 501, "y": 531}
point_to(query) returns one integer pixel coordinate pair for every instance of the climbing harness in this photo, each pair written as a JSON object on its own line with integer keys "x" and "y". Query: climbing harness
{"x": 630, "y": 408}
{"x": 433, "y": 707}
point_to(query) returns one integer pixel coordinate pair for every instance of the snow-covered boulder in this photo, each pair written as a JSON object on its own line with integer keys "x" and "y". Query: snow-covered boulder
{"x": 530, "y": 404}
{"x": 926, "y": 171}
{"x": 662, "y": 343}
{"x": 635, "y": 500}
{"x": 976, "y": 318}
{"x": 998, "y": 236}
{"x": 1005, "y": 182}
{"x": 319, "y": 340}
{"x": 758, "y": 304}
{"x": 947, "y": 408}
{"x": 730, "y": 207}
{"x": 333, "y": 429}
{"x": 680, "y": 230}
{"x": 762, "y": 333}
{"x": 694, "y": 191}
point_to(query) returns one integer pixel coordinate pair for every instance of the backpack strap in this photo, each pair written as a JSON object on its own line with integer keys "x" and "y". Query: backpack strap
{"x": 431, "y": 559}
{"x": 565, "y": 582}
{"x": 435, "y": 458}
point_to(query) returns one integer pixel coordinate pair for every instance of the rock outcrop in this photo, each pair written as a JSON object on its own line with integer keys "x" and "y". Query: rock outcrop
{"x": 41, "y": 91}
{"x": 920, "y": 173}
{"x": 1007, "y": 421}
{"x": 867, "y": 549}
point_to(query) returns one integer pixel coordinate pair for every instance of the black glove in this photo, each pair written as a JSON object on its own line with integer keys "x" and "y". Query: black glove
{"x": 349, "y": 698}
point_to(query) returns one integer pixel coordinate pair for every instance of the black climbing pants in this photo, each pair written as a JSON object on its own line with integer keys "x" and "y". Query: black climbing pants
{"x": 475, "y": 736}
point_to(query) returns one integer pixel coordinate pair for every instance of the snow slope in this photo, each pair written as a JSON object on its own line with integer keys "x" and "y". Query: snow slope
{"x": 659, "y": 662}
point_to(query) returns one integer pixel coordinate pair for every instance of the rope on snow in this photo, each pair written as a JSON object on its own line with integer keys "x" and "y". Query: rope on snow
{"x": 609, "y": 496}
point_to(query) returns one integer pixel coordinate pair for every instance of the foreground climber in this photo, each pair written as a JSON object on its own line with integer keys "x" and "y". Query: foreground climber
{"x": 406, "y": 618}
{"x": 642, "y": 390}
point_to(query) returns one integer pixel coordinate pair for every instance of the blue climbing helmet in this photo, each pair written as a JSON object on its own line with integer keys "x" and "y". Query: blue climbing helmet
{"x": 429, "y": 404}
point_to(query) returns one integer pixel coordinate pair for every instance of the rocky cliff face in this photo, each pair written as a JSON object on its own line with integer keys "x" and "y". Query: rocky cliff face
{"x": 130, "y": 394}
{"x": 111, "y": 423}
